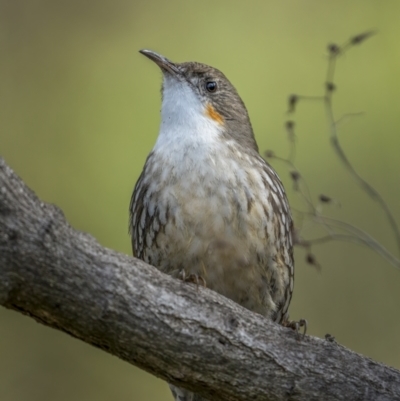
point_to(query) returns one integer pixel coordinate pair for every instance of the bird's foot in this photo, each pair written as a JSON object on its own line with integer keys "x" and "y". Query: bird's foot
{"x": 296, "y": 325}
{"x": 193, "y": 278}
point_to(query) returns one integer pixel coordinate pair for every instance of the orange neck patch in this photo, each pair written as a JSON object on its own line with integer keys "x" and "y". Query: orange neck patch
{"x": 214, "y": 115}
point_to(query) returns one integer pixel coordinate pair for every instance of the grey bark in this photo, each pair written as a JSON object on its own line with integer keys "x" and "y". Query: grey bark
{"x": 189, "y": 336}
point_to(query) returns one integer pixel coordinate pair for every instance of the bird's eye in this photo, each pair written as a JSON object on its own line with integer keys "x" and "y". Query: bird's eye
{"x": 211, "y": 86}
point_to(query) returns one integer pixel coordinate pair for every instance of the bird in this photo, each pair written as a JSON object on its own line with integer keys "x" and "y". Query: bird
{"x": 207, "y": 207}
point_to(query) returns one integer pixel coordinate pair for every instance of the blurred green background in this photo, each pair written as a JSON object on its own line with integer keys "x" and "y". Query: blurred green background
{"x": 80, "y": 111}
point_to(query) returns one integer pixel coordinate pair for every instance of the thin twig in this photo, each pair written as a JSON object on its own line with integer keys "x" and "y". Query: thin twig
{"x": 359, "y": 236}
{"x": 356, "y": 235}
{"x": 334, "y": 139}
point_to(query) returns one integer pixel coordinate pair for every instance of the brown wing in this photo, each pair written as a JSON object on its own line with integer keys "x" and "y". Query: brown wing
{"x": 283, "y": 234}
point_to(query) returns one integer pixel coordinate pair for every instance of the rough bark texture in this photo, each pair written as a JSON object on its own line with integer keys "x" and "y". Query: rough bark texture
{"x": 190, "y": 336}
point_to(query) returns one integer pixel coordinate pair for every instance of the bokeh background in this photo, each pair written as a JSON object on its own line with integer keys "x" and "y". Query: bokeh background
{"x": 79, "y": 111}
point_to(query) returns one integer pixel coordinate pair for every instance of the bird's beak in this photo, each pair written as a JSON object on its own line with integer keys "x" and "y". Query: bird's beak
{"x": 165, "y": 64}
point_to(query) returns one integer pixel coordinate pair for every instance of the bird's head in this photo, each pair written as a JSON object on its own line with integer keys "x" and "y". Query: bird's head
{"x": 194, "y": 94}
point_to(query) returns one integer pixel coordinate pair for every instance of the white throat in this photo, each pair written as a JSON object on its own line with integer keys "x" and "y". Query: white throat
{"x": 185, "y": 125}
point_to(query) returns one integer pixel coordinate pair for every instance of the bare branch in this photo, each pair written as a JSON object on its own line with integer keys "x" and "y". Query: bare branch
{"x": 190, "y": 336}
{"x": 369, "y": 189}
{"x": 357, "y": 235}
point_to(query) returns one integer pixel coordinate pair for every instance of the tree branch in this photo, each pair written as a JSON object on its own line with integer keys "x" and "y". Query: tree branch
{"x": 189, "y": 336}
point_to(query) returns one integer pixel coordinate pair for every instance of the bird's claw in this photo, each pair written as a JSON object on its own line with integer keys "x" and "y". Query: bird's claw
{"x": 297, "y": 325}
{"x": 193, "y": 278}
